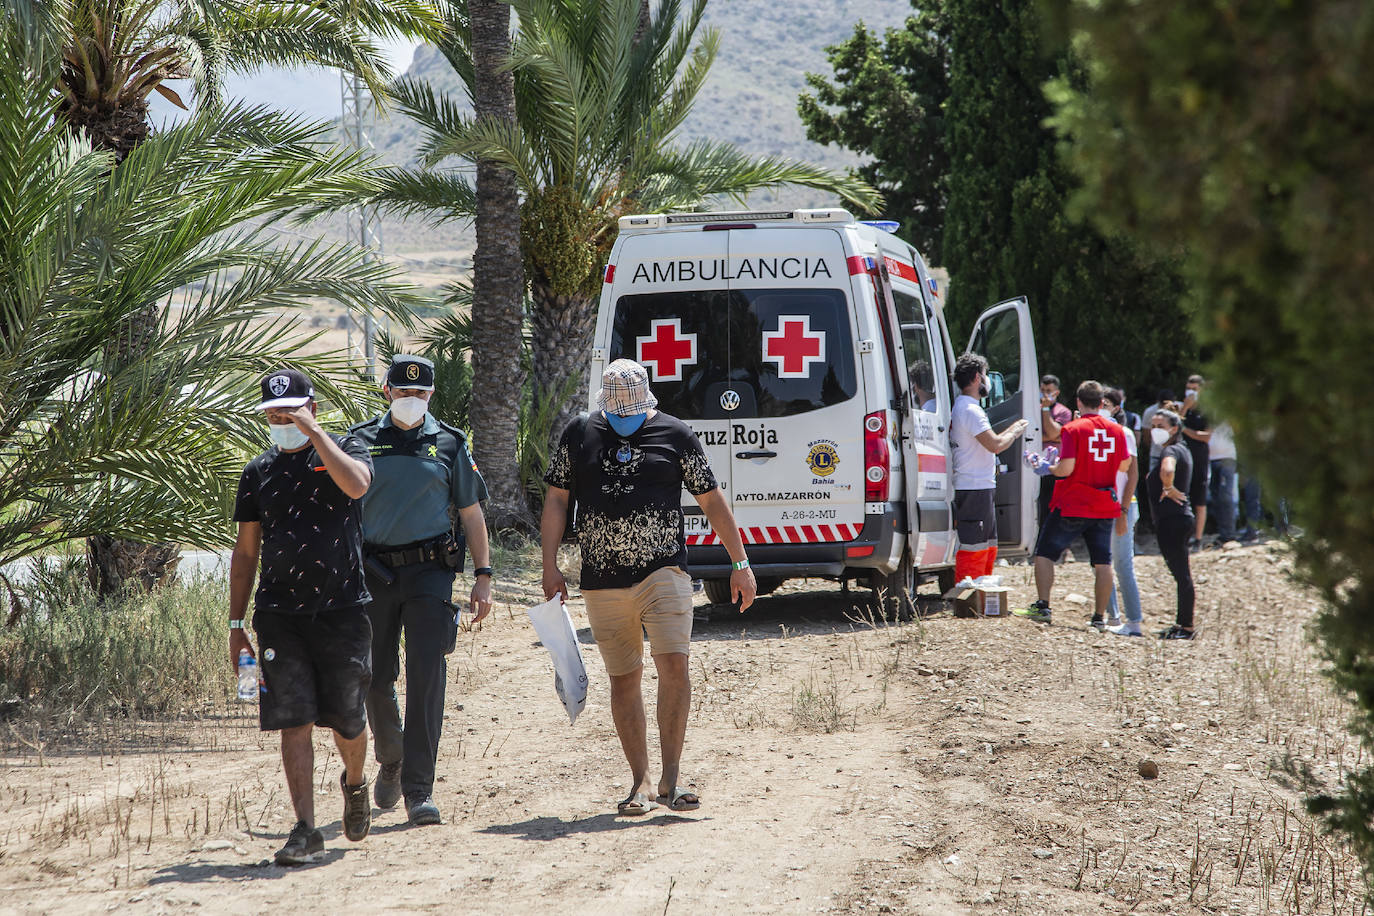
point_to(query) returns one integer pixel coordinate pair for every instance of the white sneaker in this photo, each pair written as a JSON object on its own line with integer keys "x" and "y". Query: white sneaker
{"x": 1125, "y": 629}
{"x": 1113, "y": 621}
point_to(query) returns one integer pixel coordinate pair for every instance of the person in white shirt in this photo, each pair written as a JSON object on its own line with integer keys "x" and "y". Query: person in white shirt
{"x": 1223, "y": 493}
{"x": 975, "y": 448}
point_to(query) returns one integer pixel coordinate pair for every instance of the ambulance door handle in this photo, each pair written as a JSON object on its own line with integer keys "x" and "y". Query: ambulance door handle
{"x": 756, "y": 454}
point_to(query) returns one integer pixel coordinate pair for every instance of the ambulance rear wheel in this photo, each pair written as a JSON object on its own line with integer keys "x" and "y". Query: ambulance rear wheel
{"x": 768, "y": 584}
{"x": 717, "y": 590}
{"x": 895, "y": 595}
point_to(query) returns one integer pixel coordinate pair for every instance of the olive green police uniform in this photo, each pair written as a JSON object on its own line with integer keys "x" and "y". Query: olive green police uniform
{"x": 417, "y": 475}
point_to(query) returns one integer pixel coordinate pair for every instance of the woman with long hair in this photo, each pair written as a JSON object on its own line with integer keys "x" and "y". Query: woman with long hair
{"x": 1167, "y": 485}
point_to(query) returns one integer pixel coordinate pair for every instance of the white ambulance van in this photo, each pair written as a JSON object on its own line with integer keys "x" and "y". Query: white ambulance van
{"x": 808, "y": 351}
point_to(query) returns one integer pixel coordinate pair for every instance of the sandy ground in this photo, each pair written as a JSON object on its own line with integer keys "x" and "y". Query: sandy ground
{"x": 942, "y": 766}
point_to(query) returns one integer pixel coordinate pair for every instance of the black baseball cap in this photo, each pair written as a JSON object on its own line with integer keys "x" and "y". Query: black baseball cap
{"x": 410, "y": 372}
{"x": 285, "y": 388}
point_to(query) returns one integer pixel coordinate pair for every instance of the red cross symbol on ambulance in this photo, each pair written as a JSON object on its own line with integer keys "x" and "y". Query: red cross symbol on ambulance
{"x": 1101, "y": 444}
{"x": 666, "y": 351}
{"x": 794, "y": 347}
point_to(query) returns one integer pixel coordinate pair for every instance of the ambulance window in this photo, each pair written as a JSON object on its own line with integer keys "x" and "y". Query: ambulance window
{"x": 794, "y": 347}
{"x": 999, "y": 340}
{"x": 679, "y": 338}
{"x": 916, "y": 344}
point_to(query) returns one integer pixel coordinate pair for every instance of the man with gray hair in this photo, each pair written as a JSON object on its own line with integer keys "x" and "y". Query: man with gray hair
{"x": 626, "y": 466}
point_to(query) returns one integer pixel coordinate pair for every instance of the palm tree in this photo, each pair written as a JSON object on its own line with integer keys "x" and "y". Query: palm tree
{"x": 149, "y": 445}
{"x": 116, "y": 53}
{"x": 599, "y": 95}
{"x": 498, "y": 276}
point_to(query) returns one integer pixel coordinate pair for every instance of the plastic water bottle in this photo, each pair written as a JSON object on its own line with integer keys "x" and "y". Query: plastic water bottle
{"x": 248, "y": 676}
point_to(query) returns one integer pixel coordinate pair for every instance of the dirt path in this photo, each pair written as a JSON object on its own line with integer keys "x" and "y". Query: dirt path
{"x": 944, "y": 766}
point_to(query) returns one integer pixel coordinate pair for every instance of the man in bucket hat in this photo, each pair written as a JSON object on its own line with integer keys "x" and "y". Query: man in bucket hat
{"x": 626, "y": 466}
{"x": 298, "y": 513}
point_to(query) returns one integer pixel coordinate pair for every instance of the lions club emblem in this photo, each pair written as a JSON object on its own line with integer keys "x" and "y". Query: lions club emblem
{"x": 822, "y": 459}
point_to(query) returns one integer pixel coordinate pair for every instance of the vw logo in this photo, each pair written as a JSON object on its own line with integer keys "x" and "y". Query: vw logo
{"x": 730, "y": 399}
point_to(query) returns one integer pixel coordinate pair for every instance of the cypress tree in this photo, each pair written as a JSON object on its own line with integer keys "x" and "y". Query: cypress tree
{"x": 1102, "y": 307}
{"x": 951, "y": 111}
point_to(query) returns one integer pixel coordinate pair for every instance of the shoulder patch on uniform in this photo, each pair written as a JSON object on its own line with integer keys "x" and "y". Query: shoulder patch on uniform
{"x": 357, "y": 426}
{"x": 462, "y": 436}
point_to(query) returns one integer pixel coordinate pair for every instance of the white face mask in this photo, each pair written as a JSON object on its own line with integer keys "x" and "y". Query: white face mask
{"x": 1160, "y": 436}
{"x": 1105, "y": 412}
{"x": 288, "y": 437}
{"x": 408, "y": 411}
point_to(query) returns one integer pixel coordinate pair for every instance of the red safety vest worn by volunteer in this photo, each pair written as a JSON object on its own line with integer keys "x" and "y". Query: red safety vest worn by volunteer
{"x": 1098, "y": 446}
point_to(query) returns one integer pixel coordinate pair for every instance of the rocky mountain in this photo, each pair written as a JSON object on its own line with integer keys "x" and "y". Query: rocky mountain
{"x": 750, "y": 98}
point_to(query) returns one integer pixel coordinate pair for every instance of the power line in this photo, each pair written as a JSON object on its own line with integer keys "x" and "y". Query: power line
{"x": 359, "y": 109}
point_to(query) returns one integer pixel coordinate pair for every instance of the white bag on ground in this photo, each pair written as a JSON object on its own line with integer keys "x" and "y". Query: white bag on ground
{"x": 555, "y": 629}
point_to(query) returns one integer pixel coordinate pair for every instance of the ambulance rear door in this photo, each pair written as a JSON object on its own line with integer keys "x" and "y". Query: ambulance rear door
{"x": 670, "y": 297}
{"x": 1003, "y": 335}
{"x": 924, "y": 443}
{"x": 793, "y": 395}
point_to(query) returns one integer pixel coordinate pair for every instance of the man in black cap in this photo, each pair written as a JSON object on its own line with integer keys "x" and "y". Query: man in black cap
{"x": 424, "y": 474}
{"x": 298, "y": 512}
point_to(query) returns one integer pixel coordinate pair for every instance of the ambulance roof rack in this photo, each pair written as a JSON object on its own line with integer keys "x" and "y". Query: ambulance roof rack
{"x": 735, "y": 217}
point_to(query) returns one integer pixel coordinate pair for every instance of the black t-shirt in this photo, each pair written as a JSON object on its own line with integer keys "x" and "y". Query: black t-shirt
{"x": 1183, "y": 476}
{"x": 312, "y": 539}
{"x": 1197, "y": 422}
{"x": 629, "y": 495}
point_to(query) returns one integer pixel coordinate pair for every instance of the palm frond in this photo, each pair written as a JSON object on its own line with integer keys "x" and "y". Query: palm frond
{"x": 148, "y": 443}
{"x": 438, "y": 196}
{"x": 682, "y": 178}
{"x": 439, "y": 115}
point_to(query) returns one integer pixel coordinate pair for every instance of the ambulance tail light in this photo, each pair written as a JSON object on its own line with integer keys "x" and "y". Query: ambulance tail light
{"x": 877, "y": 457}
{"x": 610, "y": 273}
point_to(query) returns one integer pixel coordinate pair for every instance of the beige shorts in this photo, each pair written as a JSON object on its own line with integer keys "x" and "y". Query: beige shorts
{"x": 661, "y": 605}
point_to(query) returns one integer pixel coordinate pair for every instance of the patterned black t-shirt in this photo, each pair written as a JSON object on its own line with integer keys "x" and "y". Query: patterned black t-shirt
{"x": 312, "y": 540}
{"x": 629, "y": 495}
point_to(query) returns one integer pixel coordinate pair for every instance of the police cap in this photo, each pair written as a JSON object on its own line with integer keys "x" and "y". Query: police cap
{"x": 410, "y": 372}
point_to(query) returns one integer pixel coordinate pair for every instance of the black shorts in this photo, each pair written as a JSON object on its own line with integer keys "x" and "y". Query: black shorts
{"x": 1199, "y": 485}
{"x": 315, "y": 669}
{"x": 1060, "y": 531}
{"x": 975, "y": 519}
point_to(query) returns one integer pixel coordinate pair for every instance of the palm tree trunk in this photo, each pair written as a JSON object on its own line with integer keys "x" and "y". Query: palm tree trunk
{"x": 562, "y": 327}
{"x": 498, "y": 282}
{"x": 643, "y": 25}
{"x": 115, "y": 564}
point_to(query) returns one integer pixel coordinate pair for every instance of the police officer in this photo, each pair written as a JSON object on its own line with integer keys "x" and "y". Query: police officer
{"x": 422, "y": 468}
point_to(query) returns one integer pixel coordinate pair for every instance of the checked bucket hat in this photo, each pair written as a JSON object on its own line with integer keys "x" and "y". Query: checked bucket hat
{"x": 625, "y": 389}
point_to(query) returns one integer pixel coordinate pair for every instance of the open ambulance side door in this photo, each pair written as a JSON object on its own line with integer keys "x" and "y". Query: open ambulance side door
{"x": 1003, "y": 335}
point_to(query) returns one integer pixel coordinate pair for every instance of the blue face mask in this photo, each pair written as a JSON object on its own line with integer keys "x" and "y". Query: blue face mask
{"x": 625, "y": 426}
{"x": 287, "y": 437}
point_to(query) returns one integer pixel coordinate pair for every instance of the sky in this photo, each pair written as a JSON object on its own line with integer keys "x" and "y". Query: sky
{"x": 314, "y": 92}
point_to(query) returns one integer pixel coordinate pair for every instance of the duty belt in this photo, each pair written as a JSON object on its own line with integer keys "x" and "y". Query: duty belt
{"x": 407, "y": 556}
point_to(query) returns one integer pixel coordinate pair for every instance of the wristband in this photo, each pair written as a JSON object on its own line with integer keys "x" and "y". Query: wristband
{"x": 740, "y": 564}
{"x": 236, "y": 624}
{"x": 483, "y": 571}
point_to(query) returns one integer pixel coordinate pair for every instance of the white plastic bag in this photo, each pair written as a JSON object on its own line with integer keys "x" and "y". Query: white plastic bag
{"x": 555, "y": 630}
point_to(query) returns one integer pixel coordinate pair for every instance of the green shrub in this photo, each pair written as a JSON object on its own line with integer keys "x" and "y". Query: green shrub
{"x": 72, "y": 658}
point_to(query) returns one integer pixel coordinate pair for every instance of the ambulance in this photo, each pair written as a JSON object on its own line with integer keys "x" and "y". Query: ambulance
{"x": 808, "y": 351}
